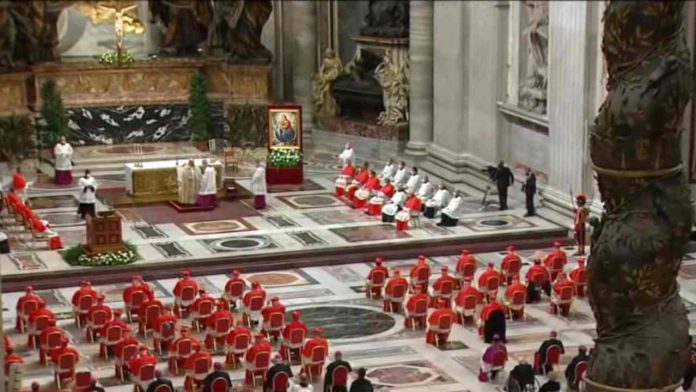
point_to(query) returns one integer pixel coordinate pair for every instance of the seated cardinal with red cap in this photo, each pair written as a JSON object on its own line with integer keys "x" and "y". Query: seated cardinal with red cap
{"x": 514, "y": 289}
{"x": 579, "y": 277}
{"x": 185, "y": 281}
{"x": 378, "y": 268}
{"x": 415, "y": 272}
{"x": 312, "y": 343}
{"x": 221, "y": 313}
{"x": 144, "y": 358}
{"x": 293, "y": 325}
{"x": 164, "y": 329}
{"x": 261, "y": 345}
{"x": 512, "y": 262}
{"x": 488, "y": 274}
{"x": 274, "y": 307}
{"x": 236, "y": 279}
{"x": 85, "y": 290}
{"x": 256, "y": 291}
{"x": 43, "y": 339}
{"x": 29, "y": 295}
{"x": 443, "y": 280}
{"x": 468, "y": 290}
{"x": 396, "y": 280}
{"x": 41, "y": 312}
{"x": 434, "y": 335}
{"x": 419, "y": 294}
{"x": 137, "y": 284}
{"x": 466, "y": 259}
{"x": 560, "y": 284}
{"x": 556, "y": 260}
{"x": 64, "y": 349}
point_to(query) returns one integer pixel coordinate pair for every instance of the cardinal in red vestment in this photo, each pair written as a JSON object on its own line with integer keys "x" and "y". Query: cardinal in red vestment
{"x": 293, "y": 325}
{"x": 261, "y": 345}
{"x": 381, "y": 269}
{"x": 579, "y": 277}
{"x": 435, "y": 333}
{"x": 556, "y": 260}
{"x": 391, "y": 303}
{"x": 312, "y": 344}
{"x": 29, "y": 296}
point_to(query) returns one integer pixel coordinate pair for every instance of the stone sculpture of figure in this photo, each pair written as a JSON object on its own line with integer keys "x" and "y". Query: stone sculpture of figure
{"x": 394, "y": 81}
{"x": 533, "y": 92}
{"x": 185, "y": 22}
{"x": 7, "y": 38}
{"x": 238, "y": 25}
{"x": 331, "y": 68}
{"x": 28, "y": 32}
{"x": 387, "y": 18}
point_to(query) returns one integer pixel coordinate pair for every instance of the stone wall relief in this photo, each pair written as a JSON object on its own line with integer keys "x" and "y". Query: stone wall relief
{"x": 392, "y": 74}
{"x": 533, "y": 90}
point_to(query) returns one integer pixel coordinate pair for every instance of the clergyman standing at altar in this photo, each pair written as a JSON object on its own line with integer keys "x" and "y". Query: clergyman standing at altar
{"x": 63, "y": 153}
{"x": 258, "y": 186}
{"x": 207, "y": 191}
{"x": 188, "y": 178}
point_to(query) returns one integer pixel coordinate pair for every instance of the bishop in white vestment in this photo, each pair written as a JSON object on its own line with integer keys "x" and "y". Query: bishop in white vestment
{"x": 450, "y": 214}
{"x": 63, "y": 153}
{"x": 388, "y": 172}
{"x": 413, "y": 182}
{"x": 258, "y": 186}
{"x": 401, "y": 176}
{"x": 188, "y": 178}
{"x": 207, "y": 190}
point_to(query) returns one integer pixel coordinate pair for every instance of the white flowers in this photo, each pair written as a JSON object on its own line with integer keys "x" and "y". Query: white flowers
{"x": 115, "y": 258}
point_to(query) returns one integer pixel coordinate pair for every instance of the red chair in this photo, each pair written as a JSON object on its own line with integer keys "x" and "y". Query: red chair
{"x": 376, "y": 281}
{"x": 468, "y": 271}
{"x": 150, "y": 316}
{"x": 205, "y": 308}
{"x": 138, "y": 298}
{"x": 556, "y": 267}
{"x": 539, "y": 280}
{"x": 446, "y": 290}
{"x": 580, "y": 283}
{"x": 28, "y": 307}
{"x": 163, "y": 388}
{"x": 275, "y": 324}
{"x": 83, "y": 306}
{"x": 240, "y": 347}
{"x": 145, "y": 376}
{"x": 220, "y": 385}
{"x": 64, "y": 369}
{"x": 98, "y": 320}
{"x": 491, "y": 287}
{"x": 114, "y": 334}
{"x": 398, "y": 296}
{"x": 564, "y": 298}
{"x": 422, "y": 278}
{"x": 40, "y": 323}
{"x": 339, "y": 377}
{"x": 281, "y": 382}
{"x": 553, "y": 357}
{"x": 444, "y": 326}
{"x": 166, "y": 334}
{"x": 53, "y": 341}
{"x": 182, "y": 350}
{"x": 295, "y": 343}
{"x": 259, "y": 367}
{"x": 469, "y": 308}
{"x": 83, "y": 381}
{"x": 122, "y": 358}
{"x": 580, "y": 372}
{"x": 517, "y": 302}
{"x": 512, "y": 270}
{"x": 420, "y": 311}
{"x": 317, "y": 358}
{"x": 201, "y": 369}
{"x": 255, "y": 305}
{"x": 234, "y": 291}
{"x": 222, "y": 328}
{"x": 188, "y": 295}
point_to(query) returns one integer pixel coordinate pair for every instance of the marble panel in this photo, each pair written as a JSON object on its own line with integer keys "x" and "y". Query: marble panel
{"x": 62, "y": 219}
{"x": 307, "y": 186}
{"x": 281, "y": 278}
{"x": 129, "y": 215}
{"x": 380, "y": 232}
{"x": 60, "y": 201}
{"x": 54, "y": 298}
{"x": 344, "y": 273}
{"x": 496, "y": 223}
{"x": 307, "y": 238}
{"x": 344, "y": 322}
{"x": 688, "y": 271}
{"x": 434, "y": 230}
{"x": 113, "y": 293}
{"x": 317, "y": 200}
{"x": 215, "y": 227}
{"x": 408, "y": 374}
{"x": 239, "y": 244}
{"x": 27, "y": 262}
{"x": 280, "y": 221}
{"x": 313, "y": 293}
{"x": 72, "y": 237}
{"x": 337, "y": 217}
{"x": 171, "y": 250}
{"x": 149, "y": 231}
{"x": 379, "y": 352}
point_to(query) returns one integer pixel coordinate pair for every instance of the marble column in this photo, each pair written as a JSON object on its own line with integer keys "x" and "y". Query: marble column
{"x": 420, "y": 53}
{"x": 304, "y": 57}
{"x": 568, "y": 94}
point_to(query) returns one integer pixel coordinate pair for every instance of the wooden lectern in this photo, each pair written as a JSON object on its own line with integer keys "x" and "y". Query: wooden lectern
{"x": 104, "y": 234}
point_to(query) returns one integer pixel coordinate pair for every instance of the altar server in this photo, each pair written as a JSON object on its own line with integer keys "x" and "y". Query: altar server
{"x": 207, "y": 191}
{"x": 450, "y": 214}
{"x": 347, "y": 156}
{"x": 63, "y": 152}
{"x": 401, "y": 176}
{"x": 88, "y": 195}
{"x": 425, "y": 190}
{"x": 188, "y": 178}
{"x": 395, "y": 204}
{"x": 388, "y": 171}
{"x": 435, "y": 203}
{"x": 414, "y": 181}
{"x": 258, "y": 186}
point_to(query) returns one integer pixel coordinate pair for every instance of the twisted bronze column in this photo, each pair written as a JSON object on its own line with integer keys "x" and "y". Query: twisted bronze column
{"x": 637, "y": 246}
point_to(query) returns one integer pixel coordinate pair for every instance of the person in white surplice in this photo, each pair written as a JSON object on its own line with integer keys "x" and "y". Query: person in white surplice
{"x": 436, "y": 202}
{"x": 450, "y": 214}
{"x": 388, "y": 172}
{"x": 188, "y": 178}
{"x": 414, "y": 181}
{"x": 347, "y": 155}
{"x": 395, "y": 204}
{"x": 207, "y": 190}
{"x": 425, "y": 190}
{"x": 63, "y": 153}
{"x": 258, "y": 186}
{"x": 88, "y": 195}
{"x": 401, "y": 176}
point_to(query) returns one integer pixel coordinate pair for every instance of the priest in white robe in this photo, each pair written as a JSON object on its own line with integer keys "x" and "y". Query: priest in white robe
{"x": 347, "y": 155}
{"x": 425, "y": 190}
{"x": 258, "y": 186}
{"x": 207, "y": 190}
{"x": 401, "y": 176}
{"x": 395, "y": 204}
{"x": 450, "y": 214}
{"x": 188, "y": 178}
{"x": 87, "y": 196}
{"x": 63, "y": 153}
{"x": 388, "y": 172}
{"x": 435, "y": 203}
{"x": 414, "y": 181}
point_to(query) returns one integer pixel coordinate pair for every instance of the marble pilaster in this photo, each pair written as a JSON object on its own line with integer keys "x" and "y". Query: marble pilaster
{"x": 421, "y": 77}
{"x": 304, "y": 56}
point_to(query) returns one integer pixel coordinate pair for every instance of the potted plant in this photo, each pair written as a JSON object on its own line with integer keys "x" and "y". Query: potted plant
{"x": 53, "y": 122}
{"x": 200, "y": 112}
{"x": 18, "y": 139}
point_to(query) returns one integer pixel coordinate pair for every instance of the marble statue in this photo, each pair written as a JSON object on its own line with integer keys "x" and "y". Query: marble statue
{"x": 28, "y": 32}
{"x": 185, "y": 23}
{"x": 7, "y": 39}
{"x": 387, "y": 18}
{"x": 331, "y": 68}
{"x": 237, "y": 28}
{"x": 533, "y": 89}
{"x": 394, "y": 81}
{"x": 637, "y": 247}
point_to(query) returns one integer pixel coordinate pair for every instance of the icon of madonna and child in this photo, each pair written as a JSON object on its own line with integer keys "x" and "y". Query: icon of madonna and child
{"x": 285, "y": 127}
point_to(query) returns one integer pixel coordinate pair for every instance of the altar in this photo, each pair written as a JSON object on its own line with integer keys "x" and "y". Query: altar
{"x": 158, "y": 178}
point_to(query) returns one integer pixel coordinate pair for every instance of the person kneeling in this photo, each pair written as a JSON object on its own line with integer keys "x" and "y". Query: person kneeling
{"x": 395, "y": 204}
{"x": 450, "y": 214}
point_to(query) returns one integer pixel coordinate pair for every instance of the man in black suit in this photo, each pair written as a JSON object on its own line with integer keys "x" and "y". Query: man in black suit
{"x": 361, "y": 384}
{"x": 570, "y": 369}
{"x": 503, "y": 179}
{"x": 159, "y": 380}
{"x": 338, "y": 361}
{"x": 529, "y": 188}
{"x": 218, "y": 372}
{"x": 278, "y": 367}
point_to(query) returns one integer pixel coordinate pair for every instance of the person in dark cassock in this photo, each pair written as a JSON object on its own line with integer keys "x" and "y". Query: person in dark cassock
{"x": 540, "y": 355}
{"x": 338, "y": 361}
{"x": 493, "y": 321}
{"x": 159, "y": 380}
{"x": 529, "y": 188}
{"x": 218, "y": 372}
{"x": 279, "y": 366}
{"x": 570, "y": 369}
{"x": 521, "y": 376}
{"x": 503, "y": 179}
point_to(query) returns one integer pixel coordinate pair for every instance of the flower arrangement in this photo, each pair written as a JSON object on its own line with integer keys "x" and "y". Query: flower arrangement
{"x": 281, "y": 157}
{"x": 76, "y": 256}
{"x": 116, "y": 58}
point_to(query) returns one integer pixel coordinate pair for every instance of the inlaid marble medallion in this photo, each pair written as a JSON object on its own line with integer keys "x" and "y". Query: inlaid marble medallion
{"x": 237, "y": 244}
{"x": 317, "y": 200}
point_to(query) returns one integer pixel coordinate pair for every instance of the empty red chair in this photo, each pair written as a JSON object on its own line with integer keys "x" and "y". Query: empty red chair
{"x": 376, "y": 282}
{"x": 339, "y": 377}
{"x": 281, "y": 382}
{"x": 137, "y": 299}
{"x": 64, "y": 368}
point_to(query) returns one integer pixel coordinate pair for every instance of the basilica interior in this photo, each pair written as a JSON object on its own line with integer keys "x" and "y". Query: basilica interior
{"x": 367, "y": 195}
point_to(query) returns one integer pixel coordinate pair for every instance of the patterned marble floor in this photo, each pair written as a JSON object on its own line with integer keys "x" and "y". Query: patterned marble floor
{"x": 397, "y": 358}
{"x": 297, "y": 218}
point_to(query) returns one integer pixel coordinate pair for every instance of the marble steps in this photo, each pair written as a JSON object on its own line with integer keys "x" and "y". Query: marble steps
{"x": 114, "y": 165}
